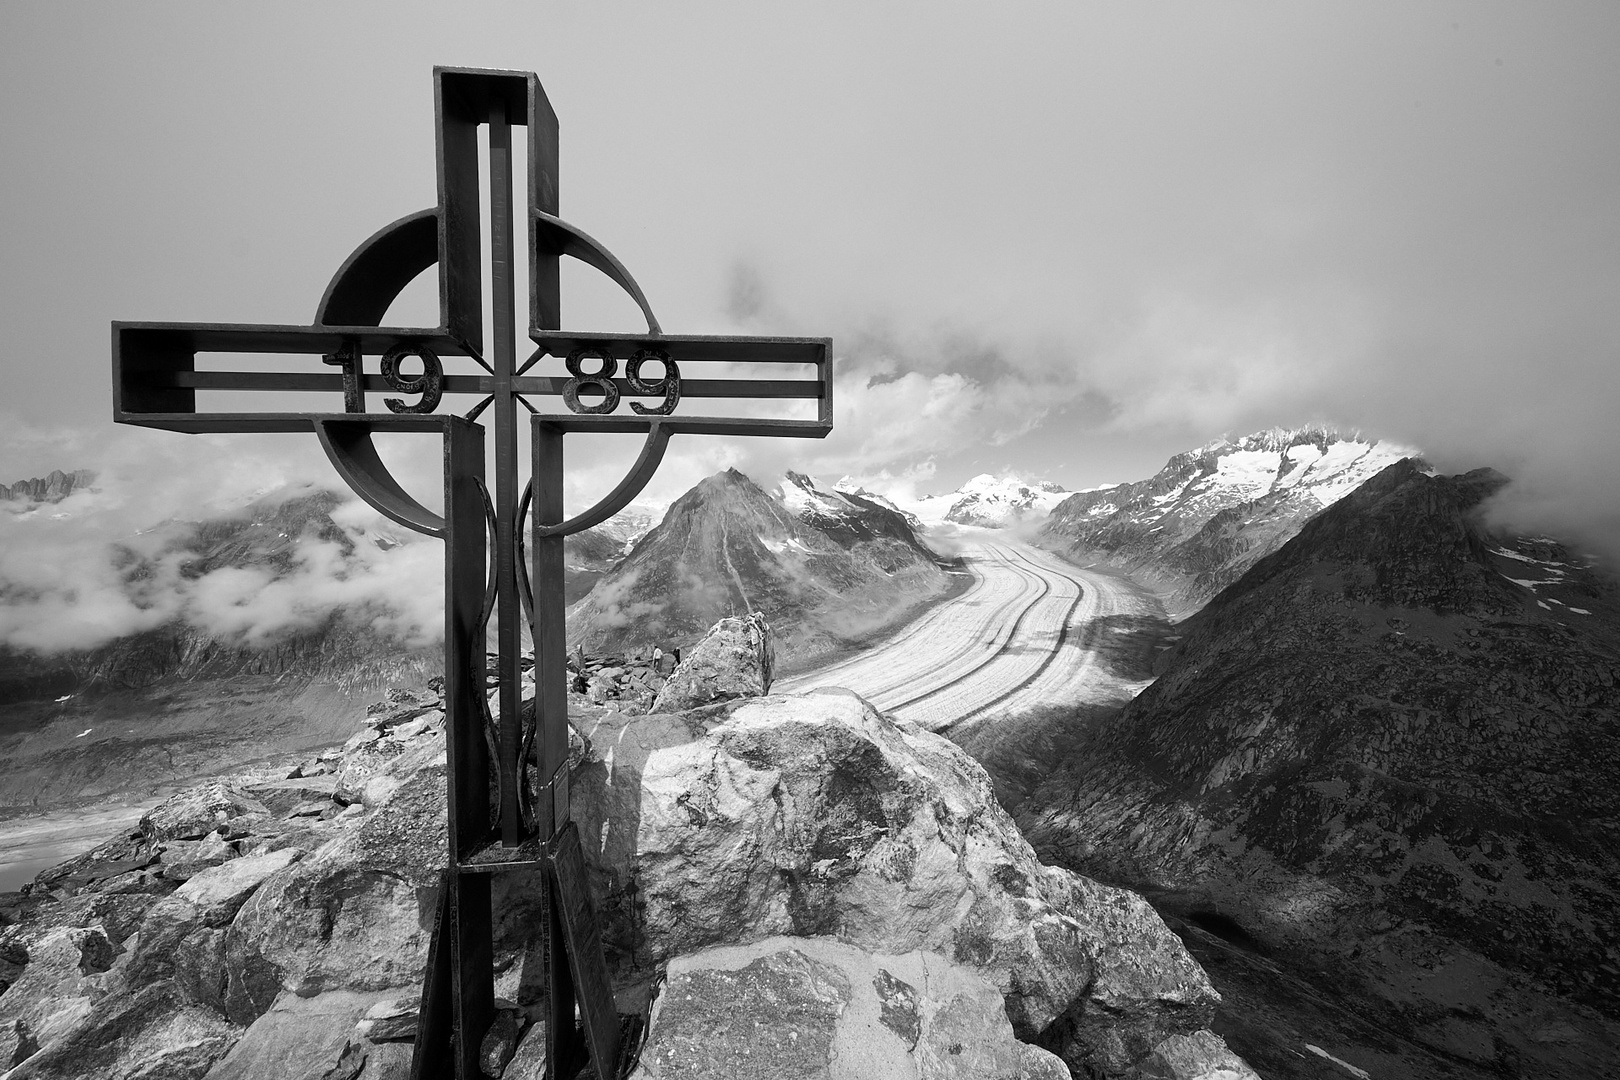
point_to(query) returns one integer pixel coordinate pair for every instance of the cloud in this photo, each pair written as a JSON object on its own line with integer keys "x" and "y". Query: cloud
{"x": 116, "y": 559}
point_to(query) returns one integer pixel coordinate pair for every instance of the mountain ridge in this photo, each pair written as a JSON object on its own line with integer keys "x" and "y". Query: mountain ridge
{"x": 1210, "y": 513}
{"x": 52, "y": 487}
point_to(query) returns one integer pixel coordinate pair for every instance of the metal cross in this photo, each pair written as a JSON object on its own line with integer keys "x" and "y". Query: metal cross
{"x": 521, "y": 761}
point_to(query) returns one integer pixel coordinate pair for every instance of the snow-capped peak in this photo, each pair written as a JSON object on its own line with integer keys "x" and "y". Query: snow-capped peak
{"x": 800, "y": 494}
{"x": 985, "y": 500}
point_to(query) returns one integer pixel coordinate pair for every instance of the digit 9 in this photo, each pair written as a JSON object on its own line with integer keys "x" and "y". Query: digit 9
{"x": 430, "y": 384}
{"x": 669, "y": 385}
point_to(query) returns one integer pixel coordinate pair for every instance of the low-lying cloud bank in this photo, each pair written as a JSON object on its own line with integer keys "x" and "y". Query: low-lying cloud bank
{"x": 121, "y": 557}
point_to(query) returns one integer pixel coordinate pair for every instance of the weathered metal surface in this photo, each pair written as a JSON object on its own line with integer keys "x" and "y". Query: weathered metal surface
{"x": 156, "y": 379}
{"x": 571, "y": 902}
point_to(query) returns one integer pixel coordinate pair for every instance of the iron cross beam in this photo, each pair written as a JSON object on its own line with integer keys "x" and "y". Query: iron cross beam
{"x": 156, "y": 381}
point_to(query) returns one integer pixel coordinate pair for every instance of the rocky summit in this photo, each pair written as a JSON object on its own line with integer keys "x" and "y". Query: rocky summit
{"x": 788, "y": 886}
{"x": 828, "y": 570}
{"x": 1197, "y": 524}
{"x": 1374, "y": 782}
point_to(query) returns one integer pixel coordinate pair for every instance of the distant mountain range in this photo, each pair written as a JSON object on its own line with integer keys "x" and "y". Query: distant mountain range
{"x": 171, "y": 702}
{"x": 1195, "y": 526}
{"x": 52, "y": 487}
{"x": 829, "y": 569}
{"x": 1385, "y": 754}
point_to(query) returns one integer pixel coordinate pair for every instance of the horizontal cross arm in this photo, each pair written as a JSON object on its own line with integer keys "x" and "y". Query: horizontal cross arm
{"x": 278, "y": 338}
{"x": 685, "y": 347}
{"x": 475, "y": 384}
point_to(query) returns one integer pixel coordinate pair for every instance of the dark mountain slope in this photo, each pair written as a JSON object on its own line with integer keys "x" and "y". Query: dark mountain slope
{"x": 825, "y": 568}
{"x": 1386, "y": 757}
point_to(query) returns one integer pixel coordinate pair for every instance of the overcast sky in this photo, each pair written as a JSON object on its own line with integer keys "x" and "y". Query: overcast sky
{"x": 1063, "y": 239}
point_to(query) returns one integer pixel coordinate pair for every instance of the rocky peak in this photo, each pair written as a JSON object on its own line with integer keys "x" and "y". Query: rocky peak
{"x": 819, "y": 564}
{"x": 52, "y": 487}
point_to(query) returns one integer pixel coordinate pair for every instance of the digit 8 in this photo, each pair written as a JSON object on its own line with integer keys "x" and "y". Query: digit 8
{"x": 669, "y": 385}
{"x": 602, "y": 379}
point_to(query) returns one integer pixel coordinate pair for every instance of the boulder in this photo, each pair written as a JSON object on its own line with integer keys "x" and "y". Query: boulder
{"x": 183, "y": 859}
{"x": 816, "y": 1007}
{"x": 1203, "y": 1055}
{"x": 146, "y": 1035}
{"x": 64, "y": 979}
{"x": 198, "y": 811}
{"x": 281, "y": 796}
{"x": 297, "y": 1038}
{"x": 183, "y": 935}
{"x": 735, "y": 659}
{"x": 817, "y": 816}
{"x": 325, "y": 923}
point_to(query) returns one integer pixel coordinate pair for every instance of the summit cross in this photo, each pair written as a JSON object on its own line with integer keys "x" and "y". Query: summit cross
{"x": 508, "y": 800}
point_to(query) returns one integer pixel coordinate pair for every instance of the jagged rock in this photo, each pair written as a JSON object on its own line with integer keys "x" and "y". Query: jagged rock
{"x": 735, "y": 659}
{"x": 151, "y": 1034}
{"x": 361, "y": 764}
{"x": 324, "y": 923}
{"x": 198, "y": 811}
{"x": 281, "y": 796}
{"x": 501, "y": 1040}
{"x": 183, "y": 935}
{"x": 529, "y": 1060}
{"x": 64, "y": 979}
{"x": 1203, "y": 1055}
{"x": 297, "y": 1037}
{"x": 390, "y": 1020}
{"x": 184, "y": 859}
{"x": 817, "y": 816}
{"x": 815, "y": 1007}
{"x": 122, "y": 854}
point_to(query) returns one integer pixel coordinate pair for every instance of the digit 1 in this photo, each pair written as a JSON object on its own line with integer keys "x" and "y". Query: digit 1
{"x": 347, "y": 357}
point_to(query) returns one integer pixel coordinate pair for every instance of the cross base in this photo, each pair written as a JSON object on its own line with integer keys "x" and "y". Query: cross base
{"x": 458, "y": 1003}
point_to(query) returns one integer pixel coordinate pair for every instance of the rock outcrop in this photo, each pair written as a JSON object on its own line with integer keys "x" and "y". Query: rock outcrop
{"x": 862, "y": 865}
{"x": 817, "y": 1007}
{"x": 735, "y": 659}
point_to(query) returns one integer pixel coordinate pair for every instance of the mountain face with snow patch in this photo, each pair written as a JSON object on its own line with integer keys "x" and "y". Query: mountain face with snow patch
{"x": 827, "y": 568}
{"x": 1208, "y": 515}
